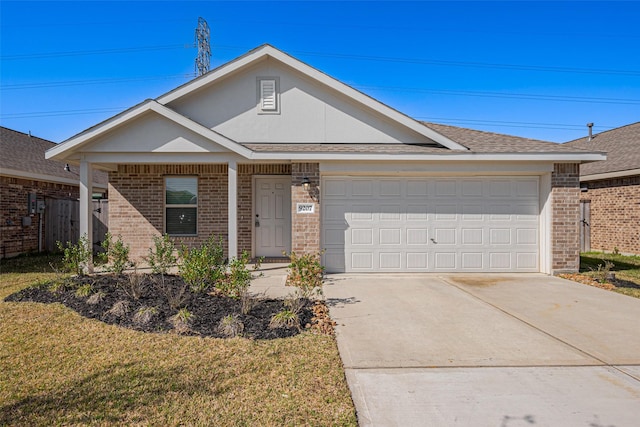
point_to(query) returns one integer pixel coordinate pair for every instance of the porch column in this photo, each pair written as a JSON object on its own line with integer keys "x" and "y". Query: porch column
{"x": 86, "y": 207}
{"x": 233, "y": 208}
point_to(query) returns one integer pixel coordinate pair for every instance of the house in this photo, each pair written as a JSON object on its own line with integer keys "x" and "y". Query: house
{"x": 274, "y": 155}
{"x": 610, "y": 197}
{"x": 27, "y": 183}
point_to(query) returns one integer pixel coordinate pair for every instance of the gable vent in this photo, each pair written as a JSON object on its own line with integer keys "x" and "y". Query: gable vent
{"x": 268, "y": 95}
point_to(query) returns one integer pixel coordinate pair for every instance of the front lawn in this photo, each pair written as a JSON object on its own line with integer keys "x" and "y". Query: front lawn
{"x": 59, "y": 368}
{"x": 625, "y": 268}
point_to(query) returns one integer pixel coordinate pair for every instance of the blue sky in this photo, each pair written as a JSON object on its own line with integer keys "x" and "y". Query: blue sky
{"x": 534, "y": 69}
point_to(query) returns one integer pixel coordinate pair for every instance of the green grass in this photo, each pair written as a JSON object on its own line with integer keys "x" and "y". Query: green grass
{"x": 59, "y": 368}
{"x": 626, "y": 269}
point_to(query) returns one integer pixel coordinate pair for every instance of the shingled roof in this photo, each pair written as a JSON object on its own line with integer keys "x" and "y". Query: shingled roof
{"x": 24, "y": 153}
{"x": 622, "y": 146}
{"x": 490, "y": 142}
{"x": 477, "y": 142}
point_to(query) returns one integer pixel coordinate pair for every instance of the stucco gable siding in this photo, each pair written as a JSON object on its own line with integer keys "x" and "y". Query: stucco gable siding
{"x": 308, "y": 111}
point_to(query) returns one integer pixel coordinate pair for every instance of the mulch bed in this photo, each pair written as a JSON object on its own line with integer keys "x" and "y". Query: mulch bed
{"x": 207, "y": 308}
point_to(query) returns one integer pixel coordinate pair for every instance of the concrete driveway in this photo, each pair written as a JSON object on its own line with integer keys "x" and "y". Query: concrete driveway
{"x": 487, "y": 350}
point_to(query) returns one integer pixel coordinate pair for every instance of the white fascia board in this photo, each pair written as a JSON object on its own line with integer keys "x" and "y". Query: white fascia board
{"x": 459, "y": 156}
{"x": 162, "y": 158}
{"x": 608, "y": 175}
{"x": 319, "y": 76}
{"x": 46, "y": 178}
{"x": 68, "y": 147}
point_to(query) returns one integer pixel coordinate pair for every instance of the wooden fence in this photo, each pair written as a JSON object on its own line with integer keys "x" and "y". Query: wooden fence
{"x": 62, "y": 222}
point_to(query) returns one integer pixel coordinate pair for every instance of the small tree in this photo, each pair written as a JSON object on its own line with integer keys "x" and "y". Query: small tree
{"x": 76, "y": 258}
{"x": 202, "y": 267}
{"x": 162, "y": 256}
{"x": 115, "y": 252}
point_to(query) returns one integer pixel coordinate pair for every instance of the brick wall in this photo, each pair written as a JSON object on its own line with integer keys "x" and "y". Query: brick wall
{"x": 565, "y": 233}
{"x": 14, "y": 238}
{"x": 305, "y": 228}
{"x": 136, "y": 204}
{"x": 615, "y": 214}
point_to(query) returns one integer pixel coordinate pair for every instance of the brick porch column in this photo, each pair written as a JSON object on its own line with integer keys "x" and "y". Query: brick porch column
{"x": 305, "y": 227}
{"x": 565, "y": 212}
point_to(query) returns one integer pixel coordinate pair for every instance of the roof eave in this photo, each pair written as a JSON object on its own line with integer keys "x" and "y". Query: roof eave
{"x": 453, "y": 156}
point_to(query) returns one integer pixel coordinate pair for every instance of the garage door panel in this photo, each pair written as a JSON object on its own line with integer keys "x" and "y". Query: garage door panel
{"x": 527, "y": 260}
{"x": 431, "y": 224}
{"x": 389, "y": 188}
{"x": 417, "y": 260}
{"x": 445, "y": 261}
{"x": 362, "y": 188}
{"x": 472, "y": 260}
{"x": 472, "y": 236}
{"x": 417, "y": 236}
{"x": 361, "y": 236}
{"x": 390, "y": 236}
{"x": 362, "y": 261}
{"x": 445, "y": 187}
{"x": 390, "y": 261}
{"x": 500, "y": 260}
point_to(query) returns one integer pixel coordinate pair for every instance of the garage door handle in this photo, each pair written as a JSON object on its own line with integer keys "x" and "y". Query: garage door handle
{"x": 433, "y": 240}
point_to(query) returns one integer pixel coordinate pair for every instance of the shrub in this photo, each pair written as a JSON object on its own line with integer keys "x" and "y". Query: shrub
{"x": 236, "y": 281}
{"x": 285, "y": 319}
{"x": 175, "y": 292}
{"x": 76, "y": 258}
{"x": 119, "y": 309}
{"x": 161, "y": 257}
{"x": 84, "y": 291}
{"x": 182, "y": 321}
{"x": 202, "y": 267}
{"x": 306, "y": 273}
{"x": 96, "y": 298}
{"x": 144, "y": 315}
{"x": 133, "y": 285}
{"x": 603, "y": 272}
{"x": 117, "y": 252}
{"x": 230, "y": 326}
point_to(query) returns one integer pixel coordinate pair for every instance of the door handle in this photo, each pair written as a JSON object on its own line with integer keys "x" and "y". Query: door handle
{"x": 433, "y": 240}
{"x": 257, "y": 223}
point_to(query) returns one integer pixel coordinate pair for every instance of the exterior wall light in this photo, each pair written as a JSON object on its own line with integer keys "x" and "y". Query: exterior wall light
{"x": 306, "y": 183}
{"x": 67, "y": 168}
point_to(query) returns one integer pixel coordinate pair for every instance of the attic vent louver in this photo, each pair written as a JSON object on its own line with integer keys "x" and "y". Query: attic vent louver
{"x": 268, "y": 95}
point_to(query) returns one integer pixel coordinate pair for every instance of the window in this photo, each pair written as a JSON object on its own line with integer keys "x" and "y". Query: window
{"x": 268, "y": 99}
{"x": 181, "y": 205}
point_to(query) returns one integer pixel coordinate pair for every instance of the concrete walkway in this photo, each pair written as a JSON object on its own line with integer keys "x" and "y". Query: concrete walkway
{"x": 487, "y": 350}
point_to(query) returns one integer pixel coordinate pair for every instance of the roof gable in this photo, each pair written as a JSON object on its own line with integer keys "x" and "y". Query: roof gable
{"x": 205, "y": 139}
{"x": 323, "y": 82}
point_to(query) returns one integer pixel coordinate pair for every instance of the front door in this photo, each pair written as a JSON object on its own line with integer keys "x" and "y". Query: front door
{"x": 272, "y": 221}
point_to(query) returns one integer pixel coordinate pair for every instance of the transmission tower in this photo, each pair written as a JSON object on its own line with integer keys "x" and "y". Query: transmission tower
{"x": 204, "y": 49}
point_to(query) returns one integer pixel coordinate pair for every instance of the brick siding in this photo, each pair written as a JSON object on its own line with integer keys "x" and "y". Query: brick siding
{"x": 14, "y": 238}
{"x": 615, "y": 214}
{"x": 565, "y": 234}
{"x": 305, "y": 228}
{"x": 136, "y": 204}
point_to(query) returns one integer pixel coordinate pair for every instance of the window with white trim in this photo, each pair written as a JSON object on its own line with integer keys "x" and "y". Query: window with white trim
{"x": 181, "y": 205}
{"x": 268, "y": 97}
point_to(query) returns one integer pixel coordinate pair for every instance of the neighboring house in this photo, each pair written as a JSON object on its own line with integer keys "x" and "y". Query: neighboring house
{"x": 274, "y": 155}
{"x": 26, "y": 176}
{"x": 610, "y": 195}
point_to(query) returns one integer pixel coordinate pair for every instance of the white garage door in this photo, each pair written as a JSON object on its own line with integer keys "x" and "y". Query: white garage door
{"x": 430, "y": 224}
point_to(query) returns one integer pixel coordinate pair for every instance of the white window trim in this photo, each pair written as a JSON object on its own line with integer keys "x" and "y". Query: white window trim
{"x": 259, "y": 85}
{"x": 166, "y": 206}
